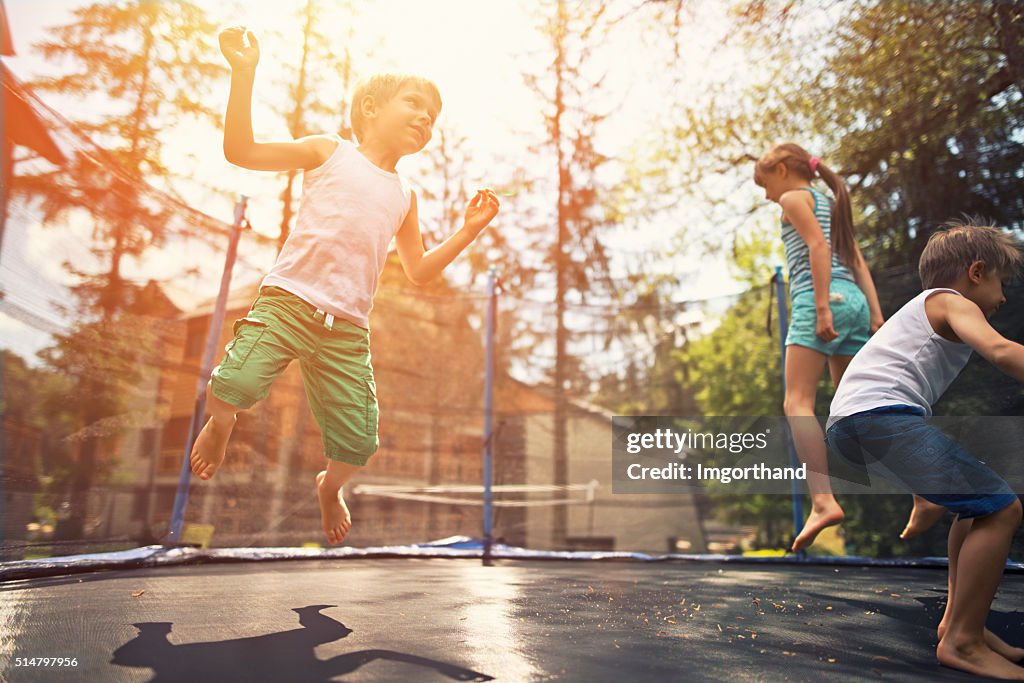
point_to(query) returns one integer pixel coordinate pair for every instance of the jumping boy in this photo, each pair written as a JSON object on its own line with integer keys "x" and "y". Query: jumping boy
{"x": 879, "y": 412}
{"x": 314, "y": 304}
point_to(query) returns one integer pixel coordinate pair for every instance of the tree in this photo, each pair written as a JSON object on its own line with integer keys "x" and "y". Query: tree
{"x": 37, "y": 418}
{"x": 309, "y": 108}
{"x": 150, "y": 59}
{"x": 735, "y": 370}
{"x": 578, "y": 255}
{"x": 924, "y": 101}
{"x": 918, "y": 105}
{"x": 926, "y": 110}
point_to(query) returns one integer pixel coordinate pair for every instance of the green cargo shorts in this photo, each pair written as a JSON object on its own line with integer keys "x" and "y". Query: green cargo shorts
{"x": 336, "y": 371}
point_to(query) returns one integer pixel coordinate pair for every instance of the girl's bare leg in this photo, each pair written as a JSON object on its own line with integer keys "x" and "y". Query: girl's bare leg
{"x": 803, "y": 370}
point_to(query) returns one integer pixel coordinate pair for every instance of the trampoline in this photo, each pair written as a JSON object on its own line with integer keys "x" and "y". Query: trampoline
{"x": 437, "y": 619}
{"x": 475, "y": 439}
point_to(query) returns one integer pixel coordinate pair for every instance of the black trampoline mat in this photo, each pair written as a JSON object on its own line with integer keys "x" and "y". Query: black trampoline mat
{"x": 443, "y": 619}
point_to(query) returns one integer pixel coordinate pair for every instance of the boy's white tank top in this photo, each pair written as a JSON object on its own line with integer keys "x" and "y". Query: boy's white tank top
{"x": 904, "y": 363}
{"x": 349, "y": 212}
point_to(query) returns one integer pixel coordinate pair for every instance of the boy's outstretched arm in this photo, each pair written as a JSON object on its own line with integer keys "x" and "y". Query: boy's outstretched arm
{"x": 968, "y": 322}
{"x": 239, "y": 146}
{"x": 422, "y": 266}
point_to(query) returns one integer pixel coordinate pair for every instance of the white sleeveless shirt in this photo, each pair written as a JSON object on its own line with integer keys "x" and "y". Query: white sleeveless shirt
{"x": 349, "y": 213}
{"x": 904, "y": 363}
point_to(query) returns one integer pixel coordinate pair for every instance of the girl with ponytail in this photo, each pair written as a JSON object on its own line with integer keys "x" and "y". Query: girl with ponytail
{"x": 834, "y": 311}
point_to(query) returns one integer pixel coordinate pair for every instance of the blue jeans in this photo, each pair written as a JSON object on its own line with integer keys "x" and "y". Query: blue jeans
{"x": 898, "y": 444}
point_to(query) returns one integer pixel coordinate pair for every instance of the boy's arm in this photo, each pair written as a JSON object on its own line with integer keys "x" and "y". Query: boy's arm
{"x": 422, "y": 266}
{"x": 801, "y": 215}
{"x": 239, "y": 146}
{"x": 862, "y": 276}
{"x": 970, "y": 325}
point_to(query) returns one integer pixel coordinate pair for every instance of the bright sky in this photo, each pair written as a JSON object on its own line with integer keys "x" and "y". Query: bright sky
{"x": 477, "y": 52}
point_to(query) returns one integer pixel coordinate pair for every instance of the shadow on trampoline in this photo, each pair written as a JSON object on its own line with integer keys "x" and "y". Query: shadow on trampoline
{"x": 1007, "y": 625}
{"x": 273, "y": 657}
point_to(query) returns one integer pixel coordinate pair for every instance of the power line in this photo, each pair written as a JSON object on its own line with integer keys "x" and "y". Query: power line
{"x": 29, "y": 318}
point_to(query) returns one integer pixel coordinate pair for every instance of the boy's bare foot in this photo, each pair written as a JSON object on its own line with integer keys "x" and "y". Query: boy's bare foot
{"x": 827, "y": 516}
{"x": 1003, "y": 648}
{"x": 977, "y": 658}
{"x": 210, "y": 446}
{"x": 334, "y": 514}
{"x": 998, "y": 645}
{"x": 924, "y": 515}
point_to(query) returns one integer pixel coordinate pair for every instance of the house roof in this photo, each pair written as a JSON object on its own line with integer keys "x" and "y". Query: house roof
{"x": 6, "y": 44}
{"x": 240, "y": 297}
{"x": 21, "y": 123}
{"x": 544, "y": 390}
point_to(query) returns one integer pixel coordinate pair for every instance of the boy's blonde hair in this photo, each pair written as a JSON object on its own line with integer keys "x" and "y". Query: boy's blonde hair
{"x": 957, "y": 244}
{"x": 382, "y": 87}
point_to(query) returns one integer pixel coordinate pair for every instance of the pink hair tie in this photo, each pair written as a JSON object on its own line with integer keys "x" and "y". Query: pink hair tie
{"x": 813, "y": 163}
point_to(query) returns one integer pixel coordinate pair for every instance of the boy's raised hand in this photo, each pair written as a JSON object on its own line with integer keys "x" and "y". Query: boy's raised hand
{"x": 234, "y": 49}
{"x": 481, "y": 210}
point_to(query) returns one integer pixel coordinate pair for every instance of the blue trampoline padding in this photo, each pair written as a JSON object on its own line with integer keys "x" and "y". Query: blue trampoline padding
{"x": 454, "y": 547}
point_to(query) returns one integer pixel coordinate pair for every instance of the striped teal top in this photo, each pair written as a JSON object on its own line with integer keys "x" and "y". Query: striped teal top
{"x": 798, "y": 257}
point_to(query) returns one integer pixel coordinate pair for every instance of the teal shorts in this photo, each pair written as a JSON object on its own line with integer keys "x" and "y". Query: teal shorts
{"x": 851, "y": 320}
{"x": 335, "y": 362}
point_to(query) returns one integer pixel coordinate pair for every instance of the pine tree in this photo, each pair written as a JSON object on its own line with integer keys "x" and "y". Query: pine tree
{"x": 152, "y": 62}
{"x": 319, "y": 87}
{"x": 577, "y": 255}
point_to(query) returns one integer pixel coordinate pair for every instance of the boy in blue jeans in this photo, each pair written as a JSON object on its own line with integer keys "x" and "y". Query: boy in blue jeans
{"x": 314, "y": 304}
{"x": 878, "y": 419}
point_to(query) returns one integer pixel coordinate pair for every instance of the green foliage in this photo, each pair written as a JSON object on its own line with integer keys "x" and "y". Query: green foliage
{"x": 39, "y": 415}
{"x": 926, "y": 118}
{"x": 735, "y": 369}
{"x": 874, "y": 522}
{"x": 918, "y": 105}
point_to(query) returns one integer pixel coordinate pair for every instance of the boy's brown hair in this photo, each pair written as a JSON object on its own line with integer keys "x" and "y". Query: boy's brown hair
{"x": 382, "y": 87}
{"x": 959, "y": 243}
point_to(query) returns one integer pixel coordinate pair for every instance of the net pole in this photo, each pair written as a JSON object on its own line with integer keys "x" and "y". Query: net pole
{"x": 797, "y": 495}
{"x": 488, "y": 454}
{"x": 212, "y": 339}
